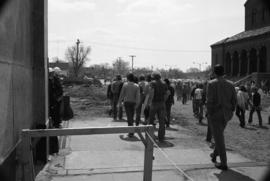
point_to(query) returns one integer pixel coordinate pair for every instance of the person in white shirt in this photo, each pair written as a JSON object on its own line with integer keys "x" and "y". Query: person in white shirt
{"x": 242, "y": 102}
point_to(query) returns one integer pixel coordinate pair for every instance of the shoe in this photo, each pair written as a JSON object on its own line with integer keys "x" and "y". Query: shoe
{"x": 212, "y": 146}
{"x": 130, "y": 135}
{"x": 213, "y": 158}
{"x": 221, "y": 167}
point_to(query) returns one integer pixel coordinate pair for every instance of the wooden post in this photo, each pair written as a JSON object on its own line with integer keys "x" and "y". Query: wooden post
{"x": 27, "y": 158}
{"x": 148, "y": 155}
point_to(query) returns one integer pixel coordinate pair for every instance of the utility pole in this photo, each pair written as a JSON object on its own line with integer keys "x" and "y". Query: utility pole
{"x": 132, "y": 62}
{"x": 77, "y": 55}
{"x": 119, "y": 66}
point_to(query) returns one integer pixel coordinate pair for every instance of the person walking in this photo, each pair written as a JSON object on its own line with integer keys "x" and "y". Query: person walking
{"x": 142, "y": 85}
{"x": 242, "y": 101}
{"x": 130, "y": 95}
{"x": 192, "y": 96}
{"x": 55, "y": 98}
{"x": 198, "y": 100}
{"x": 146, "y": 107}
{"x": 110, "y": 98}
{"x": 157, "y": 96}
{"x": 255, "y": 105}
{"x": 184, "y": 93}
{"x": 116, "y": 89}
{"x": 221, "y": 103}
{"x": 169, "y": 102}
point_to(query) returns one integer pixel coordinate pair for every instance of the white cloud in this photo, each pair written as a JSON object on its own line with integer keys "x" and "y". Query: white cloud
{"x": 155, "y": 9}
{"x": 70, "y": 5}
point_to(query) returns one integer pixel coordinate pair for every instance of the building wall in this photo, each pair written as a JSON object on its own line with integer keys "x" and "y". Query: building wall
{"x": 22, "y": 74}
{"x": 247, "y": 45}
{"x": 257, "y": 14}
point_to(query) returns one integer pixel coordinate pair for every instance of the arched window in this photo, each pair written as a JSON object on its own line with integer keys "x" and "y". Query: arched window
{"x": 253, "y": 61}
{"x": 228, "y": 64}
{"x": 253, "y": 16}
{"x": 244, "y": 62}
{"x": 263, "y": 60}
{"x": 235, "y": 64}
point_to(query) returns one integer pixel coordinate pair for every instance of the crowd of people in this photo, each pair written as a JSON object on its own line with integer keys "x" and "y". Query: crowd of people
{"x": 216, "y": 100}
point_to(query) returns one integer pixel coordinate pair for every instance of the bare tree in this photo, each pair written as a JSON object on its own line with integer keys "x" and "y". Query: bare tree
{"x": 77, "y": 55}
{"x": 120, "y": 66}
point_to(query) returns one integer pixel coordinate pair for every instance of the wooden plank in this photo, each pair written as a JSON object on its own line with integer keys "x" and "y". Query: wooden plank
{"x": 142, "y": 138}
{"x": 85, "y": 131}
{"x": 148, "y": 155}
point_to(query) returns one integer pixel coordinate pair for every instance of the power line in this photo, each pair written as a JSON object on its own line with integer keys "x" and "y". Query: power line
{"x": 139, "y": 48}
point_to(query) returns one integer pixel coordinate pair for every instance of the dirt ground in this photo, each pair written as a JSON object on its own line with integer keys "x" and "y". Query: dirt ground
{"x": 252, "y": 141}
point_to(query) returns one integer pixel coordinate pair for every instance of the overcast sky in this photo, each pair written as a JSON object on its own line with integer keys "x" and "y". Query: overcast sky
{"x": 161, "y": 33}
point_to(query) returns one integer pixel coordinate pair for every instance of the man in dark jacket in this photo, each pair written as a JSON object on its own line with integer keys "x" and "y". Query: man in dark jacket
{"x": 110, "y": 97}
{"x": 55, "y": 98}
{"x": 169, "y": 102}
{"x": 255, "y": 105}
{"x": 116, "y": 90}
{"x": 157, "y": 96}
{"x": 220, "y": 103}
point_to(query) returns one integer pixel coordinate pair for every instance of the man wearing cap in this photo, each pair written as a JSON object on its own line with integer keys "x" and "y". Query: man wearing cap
{"x": 221, "y": 102}
{"x": 158, "y": 94}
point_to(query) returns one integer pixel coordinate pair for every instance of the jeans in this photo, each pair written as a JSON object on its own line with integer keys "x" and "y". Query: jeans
{"x": 138, "y": 114}
{"x": 218, "y": 125}
{"x": 184, "y": 98}
{"x": 115, "y": 111}
{"x": 159, "y": 109}
{"x": 253, "y": 108}
{"x": 168, "y": 113}
{"x": 240, "y": 113}
{"x": 130, "y": 110}
{"x": 209, "y": 132}
{"x": 199, "y": 109}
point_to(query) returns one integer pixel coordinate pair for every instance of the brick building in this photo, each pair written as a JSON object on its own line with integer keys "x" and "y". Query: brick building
{"x": 247, "y": 52}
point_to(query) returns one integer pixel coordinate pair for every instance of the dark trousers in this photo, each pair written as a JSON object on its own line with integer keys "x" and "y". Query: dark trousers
{"x": 218, "y": 125}
{"x": 130, "y": 110}
{"x": 240, "y": 113}
{"x": 209, "y": 132}
{"x": 184, "y": 98}
{"x": 146, "y": 113}
{"x": 253, "y": 109}
{"x": 168, "y": 113}
{"x": 159, "y": 109}
{"x": 115, "y": 111}
{"x": 138, "y": 114}
{"x": 198, "y": 109}
{"x": 194, "y": 106}
{"x": 55, "y": 115}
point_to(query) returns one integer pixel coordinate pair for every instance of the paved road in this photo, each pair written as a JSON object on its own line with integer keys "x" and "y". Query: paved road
{"x": 116, "y": 157}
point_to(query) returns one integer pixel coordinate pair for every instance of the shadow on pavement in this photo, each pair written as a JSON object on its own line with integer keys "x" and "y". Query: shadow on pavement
{"x": 251, "y": 129}
{"x": 165, "y": 144}
{"x": 172, "y": 129}
{"x": 260, "y": 127}
{"x": 119, "y": 120}
{"x": 201, "y": 124}
{"x": 232, "y": 175}
{"x": 126, "y": 138}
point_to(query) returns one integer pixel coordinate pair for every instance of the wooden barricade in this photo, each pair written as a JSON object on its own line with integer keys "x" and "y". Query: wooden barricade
{"x": 27, "y": 156}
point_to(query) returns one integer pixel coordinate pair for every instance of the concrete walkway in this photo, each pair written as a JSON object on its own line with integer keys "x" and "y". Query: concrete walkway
{"x": 117, "y": 157}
